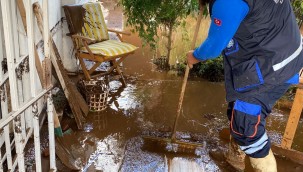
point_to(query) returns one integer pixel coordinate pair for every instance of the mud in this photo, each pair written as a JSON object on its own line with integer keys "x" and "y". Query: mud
{"x": 112, "y": 139}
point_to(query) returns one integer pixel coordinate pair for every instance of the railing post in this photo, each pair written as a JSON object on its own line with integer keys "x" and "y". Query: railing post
{"x": 50, "y": 106}
{"x": 9, "y": 45}
{"x": 33, "y": 74}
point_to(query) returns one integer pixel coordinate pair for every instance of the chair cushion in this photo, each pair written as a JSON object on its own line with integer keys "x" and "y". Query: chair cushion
{"x": 110, "y": 48}
{"x": 94, "y": 24}
{"x": 86, "y": 20}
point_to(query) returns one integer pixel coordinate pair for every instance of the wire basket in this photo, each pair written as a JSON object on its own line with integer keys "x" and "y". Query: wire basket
{"x": 96, "y": 93}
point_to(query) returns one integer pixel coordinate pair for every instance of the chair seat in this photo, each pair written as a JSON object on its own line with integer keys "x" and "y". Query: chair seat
{"x": 110, "y": 48}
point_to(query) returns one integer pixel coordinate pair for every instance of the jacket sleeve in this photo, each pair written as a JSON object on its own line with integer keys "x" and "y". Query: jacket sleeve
{"x": 226, "y": 18}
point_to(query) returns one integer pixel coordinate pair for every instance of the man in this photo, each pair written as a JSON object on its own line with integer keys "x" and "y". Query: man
{"x": 262, "y": 49}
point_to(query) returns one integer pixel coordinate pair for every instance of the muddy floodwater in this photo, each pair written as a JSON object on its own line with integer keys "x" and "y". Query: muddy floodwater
{"x": 112, "y": 139}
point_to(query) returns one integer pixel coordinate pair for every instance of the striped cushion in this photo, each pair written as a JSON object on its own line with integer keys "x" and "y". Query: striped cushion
{"x": 110, "y": 48}
{"x": 94, "y": 24}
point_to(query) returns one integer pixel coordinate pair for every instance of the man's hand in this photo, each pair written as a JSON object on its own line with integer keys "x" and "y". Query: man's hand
{"x": 191, "y": 60}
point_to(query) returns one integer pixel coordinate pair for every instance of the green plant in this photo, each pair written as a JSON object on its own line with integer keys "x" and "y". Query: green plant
{"x": 148, "y": 16}
{"x": 211, "y": 70}
{"x": 298, "y": 8}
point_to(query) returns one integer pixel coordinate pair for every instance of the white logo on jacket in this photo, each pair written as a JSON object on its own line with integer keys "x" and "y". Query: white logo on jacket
{"x": 279, "y": 1}
{"x": 231, "y": 43}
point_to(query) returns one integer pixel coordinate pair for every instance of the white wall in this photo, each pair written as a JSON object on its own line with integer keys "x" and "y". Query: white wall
{"x": 68, "y": 58}
{"x": 63, "y": 43}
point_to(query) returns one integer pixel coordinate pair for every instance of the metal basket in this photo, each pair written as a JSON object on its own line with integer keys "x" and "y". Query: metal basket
{"x": 96, "y": 93}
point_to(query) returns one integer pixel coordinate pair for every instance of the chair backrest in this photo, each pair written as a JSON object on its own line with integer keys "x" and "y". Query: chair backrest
{"x": 86, "y": 20}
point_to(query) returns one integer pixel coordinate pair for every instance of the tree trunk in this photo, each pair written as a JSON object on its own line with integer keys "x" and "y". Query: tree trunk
{"x": 169, "y": 43}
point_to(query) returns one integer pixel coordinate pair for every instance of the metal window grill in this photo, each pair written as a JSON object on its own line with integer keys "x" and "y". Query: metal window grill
{"x": 20, "y": 97}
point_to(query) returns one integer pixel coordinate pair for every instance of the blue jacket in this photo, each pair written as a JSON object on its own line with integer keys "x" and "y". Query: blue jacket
{"x": 262, "y": 41}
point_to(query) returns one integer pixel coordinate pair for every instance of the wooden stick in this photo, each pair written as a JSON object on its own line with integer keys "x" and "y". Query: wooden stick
{"x": 294, "y": 155}
{"x": 73, "y": 90}
{"x": 22, "y": 11}
{"x": 74, "y": 98}
{"x": 293, "y": 120}
{"x": 186, "y": 76}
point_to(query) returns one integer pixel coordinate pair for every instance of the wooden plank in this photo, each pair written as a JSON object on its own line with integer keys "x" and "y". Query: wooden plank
{"x": 22, "y": 12}
{"x": 77, "y": 104}
{"x": 47, "y": 73}
{"x": 293, "y": 155}
{"x": 72, "y": 88}
{"x": 293, "y": 120}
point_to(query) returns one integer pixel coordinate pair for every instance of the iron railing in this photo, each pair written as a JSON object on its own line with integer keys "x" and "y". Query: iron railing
{"x": 21, "y": 97}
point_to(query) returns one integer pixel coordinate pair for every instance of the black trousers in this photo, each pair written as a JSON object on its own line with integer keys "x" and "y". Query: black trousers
{"x": 248, "y": 117}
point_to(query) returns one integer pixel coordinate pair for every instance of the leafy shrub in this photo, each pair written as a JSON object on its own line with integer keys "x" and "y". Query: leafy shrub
{"x": 298, "y": 8}
{"x": 211, "y": 70}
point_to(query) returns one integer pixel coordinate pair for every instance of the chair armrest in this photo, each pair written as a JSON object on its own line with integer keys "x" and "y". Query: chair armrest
{"x": 83, "y": 38}
{"x": 85, "y": 41}
{"x": 119, "y": 32}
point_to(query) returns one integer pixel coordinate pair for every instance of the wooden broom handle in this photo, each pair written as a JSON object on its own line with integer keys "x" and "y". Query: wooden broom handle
{"x": 186, "y": 74}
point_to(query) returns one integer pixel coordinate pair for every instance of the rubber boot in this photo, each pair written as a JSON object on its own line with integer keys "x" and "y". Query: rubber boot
{"x": 235, "y": 157}
{"x": 266, "y": 164}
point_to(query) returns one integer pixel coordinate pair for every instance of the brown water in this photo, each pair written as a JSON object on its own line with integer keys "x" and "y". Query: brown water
{"x": 147, "y": 106}
{"x": 112, "y": 140}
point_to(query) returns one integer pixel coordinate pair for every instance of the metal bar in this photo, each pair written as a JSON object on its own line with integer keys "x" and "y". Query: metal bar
{"x": 31, "y": 45}
{"x": 26, "y": 96}
{"x": 12, "y": 147}
{"x": 19, "y": 143}
{"x": 12, "y": 115}
{"x": 8, "y": 148}
{"x": 1, "y": 161}
{"x": 14, "y": 165}
{"x": 50, "y": 106}
{"x": 12, "y": 79}
{"x": 1, "y": 50}
{"x": 15, "y": 31}
{"x": 32, "y": 65}
{"x": 20, "y": 60}
{"x": 4, "y": 78}
{"x": 20, "y": 97}
{"x": 9, "y": 51}
{"x": 50, "y": 115}
{"x": 2, "y": 137}
{"x": 37, "y": 136}
{"x": 4, "y": 108}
